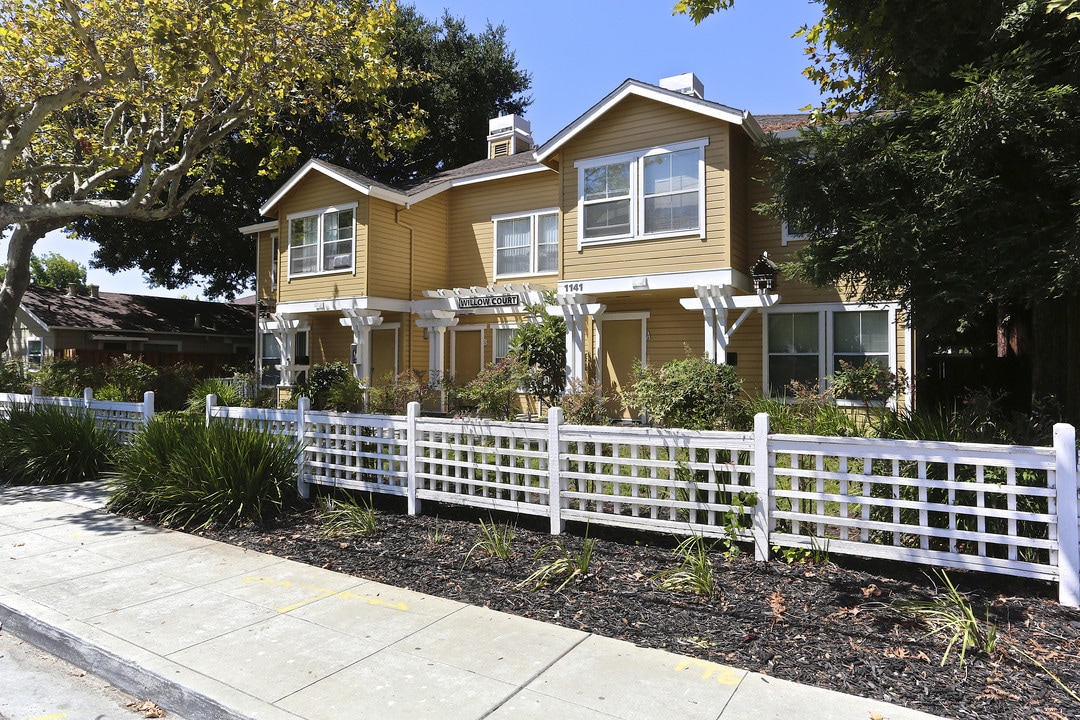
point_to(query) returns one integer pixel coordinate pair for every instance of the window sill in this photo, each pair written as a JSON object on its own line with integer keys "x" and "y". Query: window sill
{"x": 587, "y": 242}
{"x": 512, "y": 276}
{"x": 301, "y": 276}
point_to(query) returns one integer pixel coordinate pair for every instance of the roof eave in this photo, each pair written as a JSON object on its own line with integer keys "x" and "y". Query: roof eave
{"x": 317, "y": 165}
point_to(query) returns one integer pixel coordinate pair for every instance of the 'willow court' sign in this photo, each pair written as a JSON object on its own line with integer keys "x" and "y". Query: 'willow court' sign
{"x": 486, "y": 301}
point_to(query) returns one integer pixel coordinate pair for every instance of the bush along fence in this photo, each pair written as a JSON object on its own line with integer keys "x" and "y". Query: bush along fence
{"x": 122, "y": 419}
{"x": 991, "y": 508}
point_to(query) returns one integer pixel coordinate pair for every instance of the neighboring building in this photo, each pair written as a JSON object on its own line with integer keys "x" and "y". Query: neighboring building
{"x": 639, "y": 216}
{"x": 92, "y": 327}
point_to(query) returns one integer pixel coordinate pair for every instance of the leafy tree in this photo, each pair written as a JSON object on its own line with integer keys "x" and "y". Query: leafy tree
{"x": 540, "y": 344}
{"x": 458, "y": 79}
{"x": 119, "y": 110}
{"x": 53, "y": 270}
{"x": 955, "y": 187}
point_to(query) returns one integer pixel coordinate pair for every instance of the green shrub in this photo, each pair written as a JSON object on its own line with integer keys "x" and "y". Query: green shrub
{"x": 61, "y": 377}
{"x": 494, "y": 390}
{"x": 174, "y": 385}
{"x": 331, "y": 386}
{"x": 47, "y": 445}
{"x": 540, "y": 344}
{"x": 693, "y": 393}
{"x": 228, "y": 393}
{"x": 131, "y": 378}
{"x": 182, "y": 473}
{"x": 393, "y": 393}
{"x": 584, "y": 404}
{"x": 14, "y": 377}
{"x": 803, "y": 411}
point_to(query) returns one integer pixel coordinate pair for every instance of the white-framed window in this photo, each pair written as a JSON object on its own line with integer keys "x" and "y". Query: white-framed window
{"x": 322, "y": 241}
{"x": 34, "y": 352}
{"x": 527, "y": 244}
{"x": 807, "y": 343}
{"x": 500, "y": 346}
{"x": 269, "y": 359}
{"x": 790, "y": 233}
{"x": 654, "y": 192}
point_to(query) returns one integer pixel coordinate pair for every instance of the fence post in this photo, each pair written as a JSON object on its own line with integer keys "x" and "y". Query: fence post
{"x": 555, "y": 474}
{"x": 762, "y": 487}
{"x": 211, "y": 401}
{"x": 411, "y": 460}
{"x": 148, "y": 406}
{"x": 87, "y": 398}
{"x": 1068, "y": 520}
{"x": 35, "y": 394}
{"x": 302, "y": 405}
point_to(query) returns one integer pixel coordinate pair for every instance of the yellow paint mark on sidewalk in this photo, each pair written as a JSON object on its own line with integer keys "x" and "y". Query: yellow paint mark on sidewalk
{"x": 320, "y": 593}
{"x": 57, "y": 716}
{"x": 721, "y": 674}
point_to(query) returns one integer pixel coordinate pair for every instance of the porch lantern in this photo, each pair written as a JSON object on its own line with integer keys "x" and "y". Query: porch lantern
{"x": 763, "y": 274}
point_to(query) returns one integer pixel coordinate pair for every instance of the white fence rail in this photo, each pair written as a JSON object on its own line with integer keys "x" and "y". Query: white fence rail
{"x": 124, "y": 419}
{"x": 992, "y": 508}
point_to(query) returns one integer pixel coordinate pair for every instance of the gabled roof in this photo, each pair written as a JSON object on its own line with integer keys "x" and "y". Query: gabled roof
{"x": 349, "y": 178}
{"x": 636, "y": 88}
{"x": 119, "y": 312}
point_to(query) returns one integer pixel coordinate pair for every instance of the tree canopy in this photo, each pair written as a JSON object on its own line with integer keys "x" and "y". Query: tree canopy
{"x": 119, "y": 109}
{"x": 943, "y": 170}
{"x": 457, "y": 78}
{"x": 53, "y": 270}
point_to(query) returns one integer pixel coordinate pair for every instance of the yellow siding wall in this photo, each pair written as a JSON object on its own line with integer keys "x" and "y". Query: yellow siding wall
{"x": 318, "y": 191}
{"x": 428, "y": 222}
{"x": 389, "y": 253}
{"x": 471, "y": 231}
{"x": 263, "y": 269}
{"x": 637, "y": 124}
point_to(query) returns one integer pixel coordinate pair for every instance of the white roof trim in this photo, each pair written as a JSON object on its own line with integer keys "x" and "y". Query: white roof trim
{"x": 319, "y": 166}
{"x": 636, "y": 88}
{"x": 259, "y": 227}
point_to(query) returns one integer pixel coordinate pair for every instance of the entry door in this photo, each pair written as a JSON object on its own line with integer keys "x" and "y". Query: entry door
{"x": 384, "y": 354}
{"x": 468, "y": 355}
{"x": 620, "y": 346}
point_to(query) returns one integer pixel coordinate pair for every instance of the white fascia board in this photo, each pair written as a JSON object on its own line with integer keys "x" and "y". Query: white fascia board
{"x": 319, "y": 166}
{"x": 259, "y": 227}
{"x": 655, "y": 281}
{"x": 32, "y": 318}
{"x": 487, "y": 177}
{"x": 339, "y": 304}
{"x": 631, "y": 87}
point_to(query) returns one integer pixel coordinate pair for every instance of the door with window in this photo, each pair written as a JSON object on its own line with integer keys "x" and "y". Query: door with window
{"x": 621, "y": 343}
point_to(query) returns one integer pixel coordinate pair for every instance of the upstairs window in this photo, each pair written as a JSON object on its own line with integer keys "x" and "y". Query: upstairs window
{"x": 648, "y": 193}
{"x": 322, "y": 241}
{"x": 527, "y": 244}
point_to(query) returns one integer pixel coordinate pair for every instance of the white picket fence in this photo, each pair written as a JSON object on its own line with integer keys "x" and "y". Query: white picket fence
{"x": 992, "y": 508}
{"x": 123, "y": 419}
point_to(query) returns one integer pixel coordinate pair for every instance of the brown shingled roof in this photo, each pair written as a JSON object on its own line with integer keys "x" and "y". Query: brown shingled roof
{"x": 114, "y": 312}
{"x": 779, "y": 123}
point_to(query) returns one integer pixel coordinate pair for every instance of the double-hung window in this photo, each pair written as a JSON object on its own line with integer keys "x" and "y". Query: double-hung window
{"x": 34, "y": 352}
{"x": 653, "y": 192}
{"x": 322, "y": 240}
{"x": 810, "y": 343}
{"x": 527, "y": 244}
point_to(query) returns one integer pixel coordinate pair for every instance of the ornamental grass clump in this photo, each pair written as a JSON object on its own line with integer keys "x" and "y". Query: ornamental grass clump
{"x": 694, "y": 573}
{"x": 182, "y": 473}
{"x": 49, "y": 445}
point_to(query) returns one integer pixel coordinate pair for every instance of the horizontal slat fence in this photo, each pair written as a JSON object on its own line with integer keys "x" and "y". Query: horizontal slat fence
{"x": 992, "y": 508}
{"x": 123, "y": 419}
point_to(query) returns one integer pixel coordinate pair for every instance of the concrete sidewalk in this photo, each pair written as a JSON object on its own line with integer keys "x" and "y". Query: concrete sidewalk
{"x": 208, "y": 630}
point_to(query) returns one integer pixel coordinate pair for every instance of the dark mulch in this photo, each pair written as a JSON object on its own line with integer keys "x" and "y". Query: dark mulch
{"x": 827, "y": 625}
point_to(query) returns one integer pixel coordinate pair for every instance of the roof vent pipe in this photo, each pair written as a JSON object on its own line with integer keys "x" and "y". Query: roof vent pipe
{"x": 94, "y": 291}
{"x": 687, "y": 84}
{"x": 73, "y": 290}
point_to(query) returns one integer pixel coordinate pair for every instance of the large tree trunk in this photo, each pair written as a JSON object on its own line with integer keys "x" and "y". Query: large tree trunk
{"x": 17, "y": 279}
{"x": 1056, "y": 361}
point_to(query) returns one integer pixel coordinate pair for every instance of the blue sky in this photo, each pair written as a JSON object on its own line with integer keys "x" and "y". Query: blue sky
{"x": 580, "y": 50}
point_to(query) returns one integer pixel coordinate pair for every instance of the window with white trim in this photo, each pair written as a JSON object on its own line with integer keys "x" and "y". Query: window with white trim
{"x": 790, "y": 233}
{"x": 322, "y": 240}
{"x": 527, "y": 244}
{"x": 794, "y": 350}
{"x": 270, "y": 358}
{"x": 34, "y": 351}
{"x": 808, "y": 344}
{"x": 501, "y": 342}
{"x": 648, "y": 193}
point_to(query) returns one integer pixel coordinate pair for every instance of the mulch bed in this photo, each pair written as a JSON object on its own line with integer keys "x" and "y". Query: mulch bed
{"x": 831, "y": 625}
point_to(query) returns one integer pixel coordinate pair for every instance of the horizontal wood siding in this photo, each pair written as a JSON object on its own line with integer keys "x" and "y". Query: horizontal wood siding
{"x": 263, "y": 265}
{"x": 471, "y": 230}
{"x": 328, "y": 340}
{"x": 741, "y": 204}
{"x": 313, "y": 192}
{"x": 389, "y": 253}
{"x": 637, "y": 124}
{"x": 428, "y": 221}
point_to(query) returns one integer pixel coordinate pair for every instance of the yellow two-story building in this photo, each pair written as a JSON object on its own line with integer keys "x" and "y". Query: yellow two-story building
{"x": 639, "y": 217}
